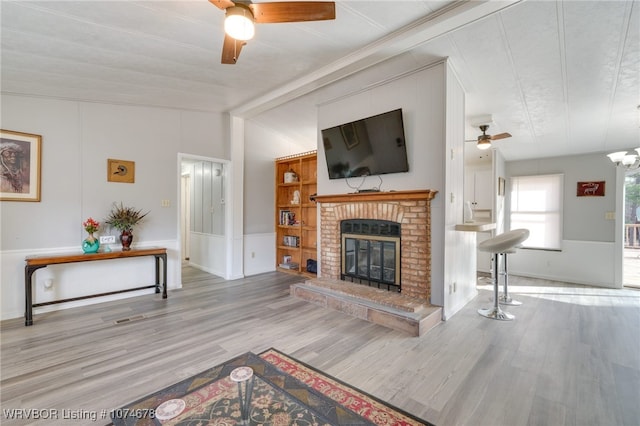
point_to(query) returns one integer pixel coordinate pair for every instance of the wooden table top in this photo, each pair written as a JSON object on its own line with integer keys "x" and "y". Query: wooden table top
{"x": 57, "y": 258}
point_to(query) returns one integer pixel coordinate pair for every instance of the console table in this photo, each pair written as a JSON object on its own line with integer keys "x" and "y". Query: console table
{"x": 33, "y": 263}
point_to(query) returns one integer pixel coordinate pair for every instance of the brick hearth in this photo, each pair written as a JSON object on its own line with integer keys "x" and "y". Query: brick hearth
{"x": 412, "y": 209}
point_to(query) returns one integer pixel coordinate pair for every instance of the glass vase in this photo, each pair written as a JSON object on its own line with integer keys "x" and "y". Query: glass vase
{"x": 126, "y": 238}
{"x": 90, "y": 244}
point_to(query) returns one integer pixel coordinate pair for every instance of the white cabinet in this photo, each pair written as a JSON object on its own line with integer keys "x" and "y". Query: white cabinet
{"x": 478, "y": 188}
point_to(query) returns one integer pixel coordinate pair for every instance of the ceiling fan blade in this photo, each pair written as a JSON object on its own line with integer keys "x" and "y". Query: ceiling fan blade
{"x": 501, "y": 136}
{"x": 222, "y": 4}
{"x": 293, "y": 11}
{"x": 231, "y": 49}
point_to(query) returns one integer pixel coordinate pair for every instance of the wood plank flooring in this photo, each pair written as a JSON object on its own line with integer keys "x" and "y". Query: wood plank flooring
{"x": 571, "y": 357}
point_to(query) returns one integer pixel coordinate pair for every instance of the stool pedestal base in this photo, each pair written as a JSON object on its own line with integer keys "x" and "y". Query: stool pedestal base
{"x": 508, "y": 301}
{"x": 496, "y": 314}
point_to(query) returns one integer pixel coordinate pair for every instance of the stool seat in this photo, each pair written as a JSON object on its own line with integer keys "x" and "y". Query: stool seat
{"x": 505, "y": 241}
{"x": 501, "y": 245}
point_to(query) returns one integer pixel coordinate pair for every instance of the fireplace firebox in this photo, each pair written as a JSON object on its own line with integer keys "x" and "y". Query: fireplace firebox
{"x": 371, "y": 253}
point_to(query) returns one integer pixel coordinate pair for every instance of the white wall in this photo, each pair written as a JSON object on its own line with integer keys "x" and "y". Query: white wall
{"x": 262, "y": 147}
{"x": 77, "y": 140}
{"x": 421, "y": 95}
{"x": 588, "y": 247}
{"x": 459, "y": 262}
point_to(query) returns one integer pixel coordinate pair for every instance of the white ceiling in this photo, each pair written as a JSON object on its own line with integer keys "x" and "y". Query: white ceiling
{"x": 561, "y": 77}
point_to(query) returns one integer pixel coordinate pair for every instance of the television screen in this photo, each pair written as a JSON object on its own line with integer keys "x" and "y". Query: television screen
{"x": 371, "y": 146}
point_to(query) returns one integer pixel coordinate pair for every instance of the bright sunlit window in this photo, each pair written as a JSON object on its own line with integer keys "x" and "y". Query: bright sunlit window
{"x": 536, "y": 204}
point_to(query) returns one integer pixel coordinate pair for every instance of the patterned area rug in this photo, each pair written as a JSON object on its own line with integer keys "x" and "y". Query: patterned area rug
{"x": 285, "y": 392}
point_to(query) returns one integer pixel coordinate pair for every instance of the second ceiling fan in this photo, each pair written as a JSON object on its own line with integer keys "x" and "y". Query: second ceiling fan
{"x": 484, "y": 140}
{"x": 241, "y": 15}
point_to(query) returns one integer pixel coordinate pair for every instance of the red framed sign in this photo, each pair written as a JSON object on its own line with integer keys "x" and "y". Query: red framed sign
{"x": 591, "y": 189}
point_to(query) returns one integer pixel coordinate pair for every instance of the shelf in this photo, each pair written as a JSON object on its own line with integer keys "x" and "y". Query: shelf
{"x": 475, "y": 226}
{"x": 421, "y": 194}
{"x": 305, "y": 168}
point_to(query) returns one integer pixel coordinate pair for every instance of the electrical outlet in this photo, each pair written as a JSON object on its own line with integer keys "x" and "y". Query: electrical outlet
{"x": 107, "y": 239}
{"x": 48, "y": 284}
{"x": 165, "y": 203}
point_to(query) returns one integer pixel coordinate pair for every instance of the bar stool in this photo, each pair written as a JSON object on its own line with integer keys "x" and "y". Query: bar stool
{"x": 505, "y": 299}
{"x": 498, "y": 245}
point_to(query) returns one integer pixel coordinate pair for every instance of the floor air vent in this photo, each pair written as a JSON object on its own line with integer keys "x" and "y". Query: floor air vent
{"x": 125, "y": 320}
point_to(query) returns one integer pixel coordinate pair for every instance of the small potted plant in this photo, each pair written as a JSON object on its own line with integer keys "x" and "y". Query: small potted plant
{"x": 124, "y": 218}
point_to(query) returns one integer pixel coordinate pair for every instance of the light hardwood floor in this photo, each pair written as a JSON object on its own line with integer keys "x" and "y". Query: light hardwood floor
{"x": 571, "y": 357}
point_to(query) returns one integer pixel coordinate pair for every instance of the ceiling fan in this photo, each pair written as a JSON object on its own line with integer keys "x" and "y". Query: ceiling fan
{"x": 241, "y": 15}
{"x": 484, "y": 140}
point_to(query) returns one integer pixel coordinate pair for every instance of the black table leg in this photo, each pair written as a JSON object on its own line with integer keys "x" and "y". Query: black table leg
{"x": 28, "y": 293}
{"x": 164, "y": 274}
{"x": 157, "y": 257}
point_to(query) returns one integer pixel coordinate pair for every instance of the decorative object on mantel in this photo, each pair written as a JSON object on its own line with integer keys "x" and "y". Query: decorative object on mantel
{"x": 121, "y": 171}
{"x": 124, "y": 219}
{"x": 19, "y": 166}
{"x": 91, "y": 244}
{"x": 591, "y": 189}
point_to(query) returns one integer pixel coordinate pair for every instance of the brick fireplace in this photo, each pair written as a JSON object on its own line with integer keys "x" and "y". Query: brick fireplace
{"x": 410, "y": 209}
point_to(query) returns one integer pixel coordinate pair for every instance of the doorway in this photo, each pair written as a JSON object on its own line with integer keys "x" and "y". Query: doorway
{"x": 203, "y": 213}
{"x": 631, "y": 262}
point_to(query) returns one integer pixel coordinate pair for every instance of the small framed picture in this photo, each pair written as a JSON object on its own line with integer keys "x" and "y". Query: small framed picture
{"x": 20, "y": 166}
{"x": 590, "y": 189}
{"x": 121, "y": 171}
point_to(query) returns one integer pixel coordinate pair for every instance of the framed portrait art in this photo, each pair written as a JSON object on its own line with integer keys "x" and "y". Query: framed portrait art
{"x": 20, "y": 166}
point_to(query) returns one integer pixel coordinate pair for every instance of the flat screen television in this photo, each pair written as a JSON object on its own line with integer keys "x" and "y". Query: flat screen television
{"x": 370, "y": 146}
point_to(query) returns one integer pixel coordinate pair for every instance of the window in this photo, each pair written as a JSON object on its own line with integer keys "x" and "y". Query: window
{"x": 536, "y": 204}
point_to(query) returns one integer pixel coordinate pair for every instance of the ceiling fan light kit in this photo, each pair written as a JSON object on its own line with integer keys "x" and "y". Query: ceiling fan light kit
{"x": 484, "y": 140}
{"x": 239, "y": 23}
{"x": 241, "y": 16}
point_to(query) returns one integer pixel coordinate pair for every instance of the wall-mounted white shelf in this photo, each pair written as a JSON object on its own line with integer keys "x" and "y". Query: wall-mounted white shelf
{"x": 475, "y": 226}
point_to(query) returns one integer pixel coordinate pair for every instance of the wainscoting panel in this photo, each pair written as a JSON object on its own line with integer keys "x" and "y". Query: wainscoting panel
{"x": 579, "y": 262}
{"x": 259, "y": 253}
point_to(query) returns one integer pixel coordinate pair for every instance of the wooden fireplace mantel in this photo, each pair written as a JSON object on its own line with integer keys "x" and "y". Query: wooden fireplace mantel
{"x": 354, "y": 197}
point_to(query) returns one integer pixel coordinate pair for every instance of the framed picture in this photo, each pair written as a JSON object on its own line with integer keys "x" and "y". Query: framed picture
{"x": 591, "y": 189}
{"x": 20, "y": 165}
{"x": 121, "y": 171}
{"x": 349, "y": 135}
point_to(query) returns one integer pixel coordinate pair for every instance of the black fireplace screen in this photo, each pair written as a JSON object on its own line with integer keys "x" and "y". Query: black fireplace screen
{"x": 371, "y": 252}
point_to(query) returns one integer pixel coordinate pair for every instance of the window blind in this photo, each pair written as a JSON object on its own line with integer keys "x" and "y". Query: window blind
{"x": 536, "y": 204}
